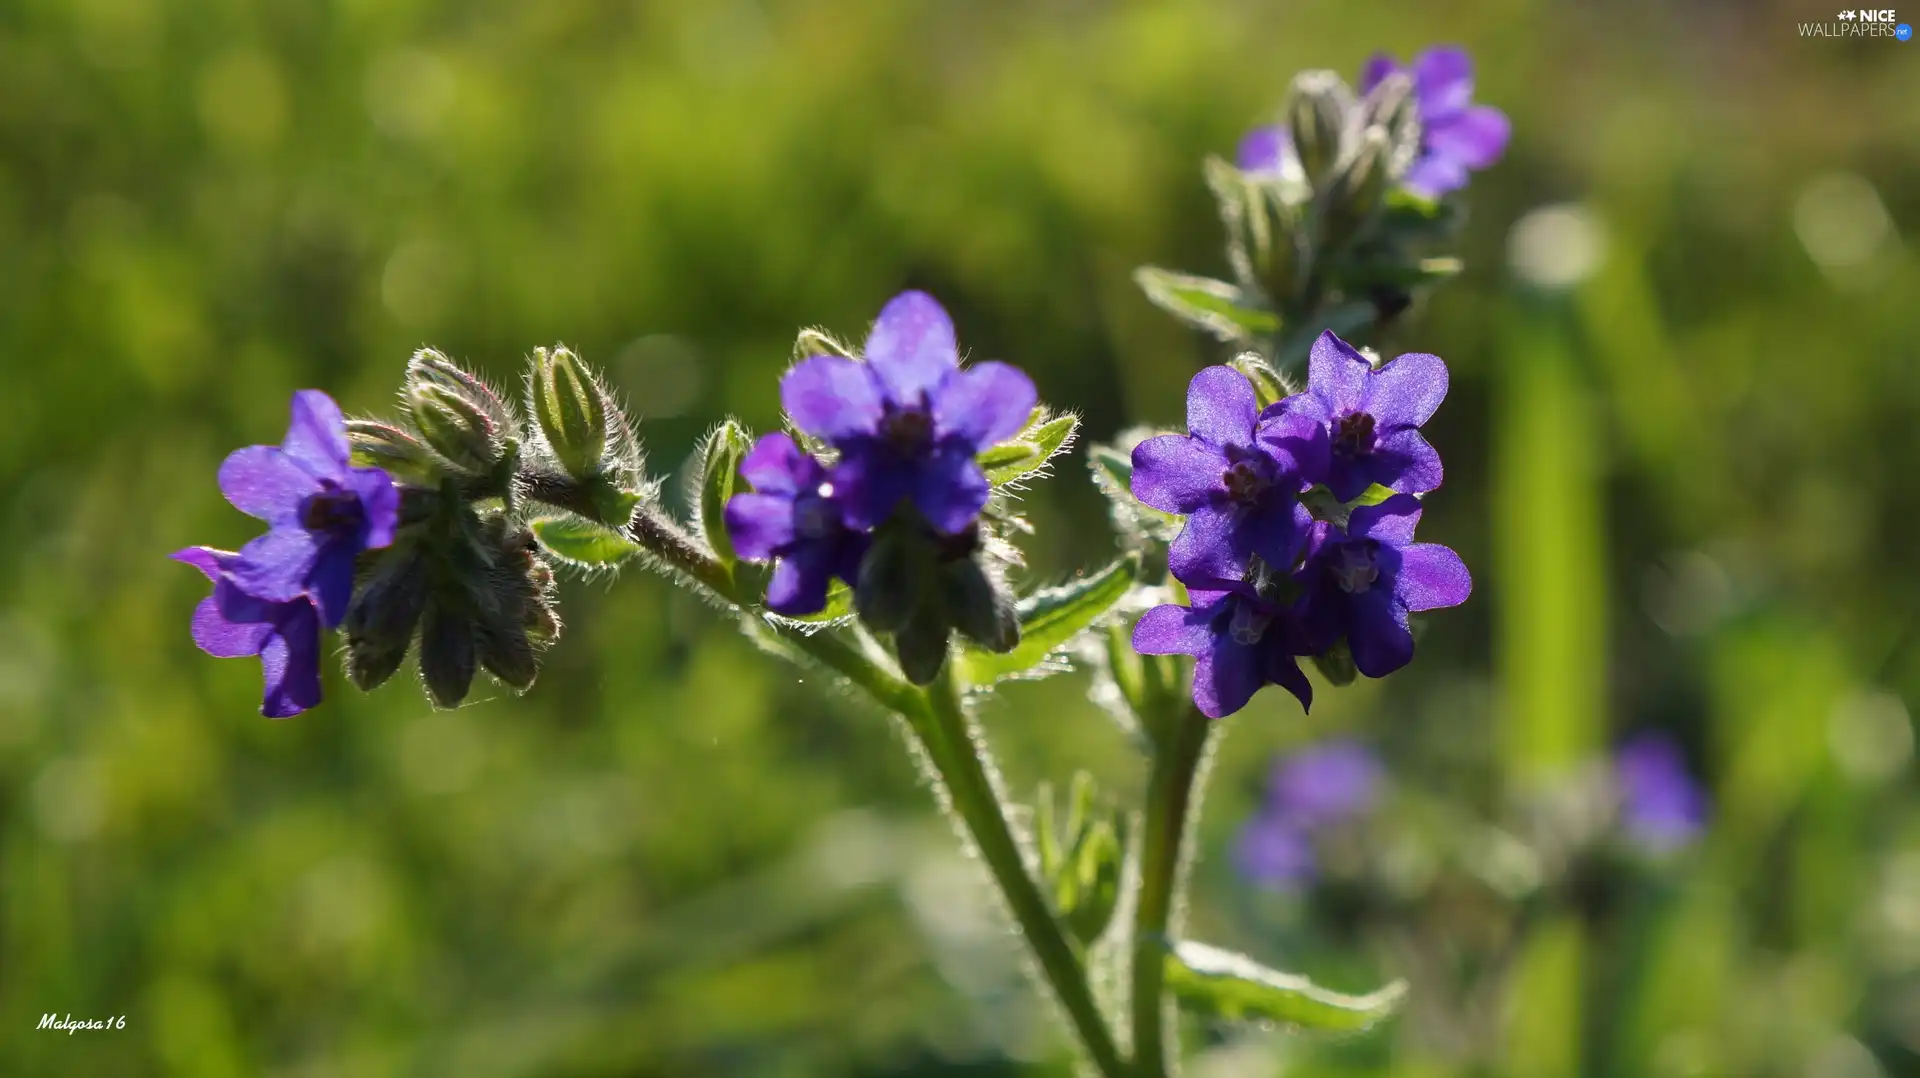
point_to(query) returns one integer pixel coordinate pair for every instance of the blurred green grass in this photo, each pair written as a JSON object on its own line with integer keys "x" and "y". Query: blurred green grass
{"x": 1688, "y": 493}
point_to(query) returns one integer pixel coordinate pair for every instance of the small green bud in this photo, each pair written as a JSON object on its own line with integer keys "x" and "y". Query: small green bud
{"x": 1358, "y": 187}
{"x": 1393, "y": 108}
{"x": 889, "y": 590}
{"x": 572, "y": 411}
{"x": 818, "y": 342}
{"x": 1269, "y": 387}
{"x": 1336, "y": 664}
{"x": 429, "y": 367}
{"x": 458, "y": 429}
{"x": 921, "y": 645}
{"x": 982, "y": 612}
{"x": 1320, "y": 111}
{"x": 447, "y": 661}
{"x": 725, "y": 448}
{"x": 383, "y": 445}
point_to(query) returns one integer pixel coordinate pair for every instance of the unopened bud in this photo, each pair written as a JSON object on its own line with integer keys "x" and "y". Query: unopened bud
{"x": 888, "y": 591}
{"x": 457, "y": 428}
{"x": 1358, "y": 186}
{"x": 982, "y": 612}
{"x": 447, "y": 660}
{"x": 385, "y": 446}
{"x": 1393, "y": 107}
{"x": 429, "y": 367}
{"x": 572, "y": 411}
{"x": 1320, "y": 112}
{"x": 921, "y": 645}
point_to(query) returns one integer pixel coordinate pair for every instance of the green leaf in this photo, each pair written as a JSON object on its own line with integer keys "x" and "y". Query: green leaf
{"x": 719, "y": 475}
{"x": 582, "y": 543}
{"x": 1415, "y": 273}
{"x": 1373, "y": 495}
{"x": 1268, "y": 386}
{"x": 1012, "y": 458}
{"x": 1050, "y": 619}
{"x": 1222, "y": 984}
{"x": 1219, "y": 308}
{"x": 1044, "y": 437}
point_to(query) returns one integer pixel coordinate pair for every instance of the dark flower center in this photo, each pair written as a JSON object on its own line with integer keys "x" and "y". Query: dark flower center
{"x": 909, "y": 431}
{"x": 332, "y": 510}
{"x": 1353, "y": 435}
{"x": 1247, "y": 624}
{"x": 1353, "y": 566}
{"x": 1247, "y": 476}
{"x": 814, "y": 515}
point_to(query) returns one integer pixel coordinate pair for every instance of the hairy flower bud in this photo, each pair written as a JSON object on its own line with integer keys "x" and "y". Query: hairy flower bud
{"x": 383, "y": 445}
{"x": 380, "y": 622}
{"x": 572, "y": 411}
{"x": 447, "y": 660}
{"x": 889, "y": 589}
{"x": 429, "y": 367}
{"x": 457, "y": 428}
{"x": 1319, "y": 113}
{"x": 982, "y": 612}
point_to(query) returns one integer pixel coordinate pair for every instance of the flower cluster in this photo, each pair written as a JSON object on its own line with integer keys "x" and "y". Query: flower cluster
{"x": 1308, "y": 792}
{"x": 274, "y": 597}
{"x": 892, "y": 504}
{"x": 1299, "y": 527}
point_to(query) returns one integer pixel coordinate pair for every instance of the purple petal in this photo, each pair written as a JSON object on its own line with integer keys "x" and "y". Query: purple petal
{"x": 1207, "y": 551}
{"x": 208, "y": 560}
{"x": 776, "y": 465}
{"x": 1273, "y": 851}
{"x": 275, "y": 566}
{"x": 1376, "y": 70}
{"x": 1435, "y": 175}
{"x": 1174, "y": 630}
{"x": 759, "y": 524}
{"x": 1391, "y": 522}
{"x": 800, "y": 580}
{"x": 831, "y": 397}
{"x": 1406, "y": 391}
{"x": 330, "y": 585}
{"x": 1349, "y": 477}
{"x": 266, "y": 482}
{"x": 225, "y": 639}
{"x": 869, "y": 485}
{"x": 1282, "y": 670}
{"x": 1337, "y": 374}
{"x": 912, "y": 347}
{"x": 1263, "y": 149}
{"x": 1221, "y": 407}
{"x": 380, "y": 502}
{"x": 1177, "y": 474}
{"x": 1443, "y": 78}
{"x": 950, "y": 489}
{"x": 985, "y": 404}
{"x": 317, "y": 437}
{"x": 1405, "y": 462}
{"x": 1377, "y": 633}
{"x": 1327, "y": 783}
{"x": 290, "y": 664}
{"x": 1296, "y": 439}
{"x": 1225, "y": 678}
{"x": 1276, "y": 530}
{"x": 1475, "y": 138}
{"x": 1432, "y": 576}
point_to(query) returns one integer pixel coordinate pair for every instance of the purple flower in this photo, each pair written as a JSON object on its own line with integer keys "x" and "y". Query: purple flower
{"x": 1661, "y": 806}
{"x": 1242, "y": 643}
{"x": 231, "y": 624}
{"x": 1325, "y": 784}
{"x": 1236, "y": 479}
{"x": 1371, "y": 417}
{"x": 1275, "y": 851}
{"x": 1360, "y": 583}
{"x": 794, "y": 518}
{"x": 321, "y": 511}
{"x": 908, "y": 421}
{"x": 1265, "y": 149}
{"x": 1455, "y": 134}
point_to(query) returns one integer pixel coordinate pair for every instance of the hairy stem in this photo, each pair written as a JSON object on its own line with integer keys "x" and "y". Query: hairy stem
{"x": 1171, "y": 802}
{"x": 959, "y": 755}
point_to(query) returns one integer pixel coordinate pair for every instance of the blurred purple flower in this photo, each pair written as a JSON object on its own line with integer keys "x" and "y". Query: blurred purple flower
{"x": 1274, "y": 851}
{"x": 1361, "y": 582}
{"x": 1371, "y": 417}
{"x": 1236, "y": 479}
{"x": 908, "y": 421}
{"x": 1455, "y": 134}
{"x": 1241, "y": 642}
{"x": 793, "y": 518}
{"x": 1326, "y": 783}
{"x": 1264, "y": 149}
{"x": 1661, "y": 806}
{"x": 231, "y": 624}
{"x": 321, "y": 511}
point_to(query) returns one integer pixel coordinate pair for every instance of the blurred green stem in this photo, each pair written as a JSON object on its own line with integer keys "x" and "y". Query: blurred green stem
{"x": 1171, "y": 801}
{"x": 940, "y": 722}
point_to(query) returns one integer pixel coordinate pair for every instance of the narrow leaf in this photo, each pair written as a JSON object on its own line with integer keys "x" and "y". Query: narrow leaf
{"x": 1050, "y": 619}
{"x": 1222, "y": 984}
{"x": 582, "y": 543}
{"x": 1215, "y": 306}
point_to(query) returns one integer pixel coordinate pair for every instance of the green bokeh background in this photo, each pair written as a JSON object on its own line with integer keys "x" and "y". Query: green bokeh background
{"x": 1687, "y": 489}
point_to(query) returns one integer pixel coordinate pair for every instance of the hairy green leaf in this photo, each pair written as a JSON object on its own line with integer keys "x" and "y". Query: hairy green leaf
{"x": 1223, "y": 984}
{"x": 1050, "y": 619}
{"x": 1221, "y": 309}
{"x": 582, "y": 543}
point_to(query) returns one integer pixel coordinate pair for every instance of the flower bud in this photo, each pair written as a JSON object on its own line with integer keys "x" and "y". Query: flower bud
{"x": 458, "y": 429}
{"x": 572, "y": 411}
{"x": 982, "y": 612}
{"x": 447, "y": 661}
{"x": 429, "y": 367}
{"x": 1358, "y": 186}
{"x": 380, "y": 622}
{"x": 385, "y": 446}
{"x": 921, "y": 645}
{"x": 888, "y": 593}
{"x": 1393, "y": 108}
{"x": 1319, "y": 113}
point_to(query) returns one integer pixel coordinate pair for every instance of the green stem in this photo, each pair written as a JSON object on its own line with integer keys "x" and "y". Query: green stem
{"x": 960, "y": 758}
{"x": 1171, "y": 802}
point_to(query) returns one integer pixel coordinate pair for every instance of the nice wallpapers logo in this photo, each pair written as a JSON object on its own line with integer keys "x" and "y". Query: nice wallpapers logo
{"x": 1881, "y": 23}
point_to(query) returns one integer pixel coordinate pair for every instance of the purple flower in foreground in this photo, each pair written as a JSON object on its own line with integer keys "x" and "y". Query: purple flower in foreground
{"x": 1361, "y": 582}
{"x": 1242, "y": 643}
{"x": 794, "y": 519}
{"x": 908, "y": 421}
{"x": 1455, "y": 134}
{"x": 321, "y": 510}
{"x": 1325, "y": 784}
{"x": 1275, "y": 851}
{"x": 1371, "y": 417}
{"x": 1661, "y": 806}
{"x": 231, "y": 624}
{"x": 1237, "y": 481}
